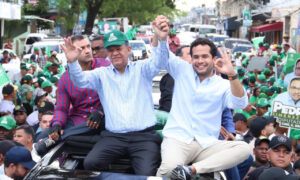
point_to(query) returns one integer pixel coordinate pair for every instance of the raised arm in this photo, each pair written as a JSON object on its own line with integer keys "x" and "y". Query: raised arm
{"x": 160, "y": 55}
{"x": 82, "y": 79}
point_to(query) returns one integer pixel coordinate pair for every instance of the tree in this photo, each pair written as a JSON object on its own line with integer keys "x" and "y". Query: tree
{"x": 92, "y": 7}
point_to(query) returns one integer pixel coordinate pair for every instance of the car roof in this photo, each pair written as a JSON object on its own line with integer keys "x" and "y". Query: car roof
{"x": 236, "y": 39}
{"x": 216, "y": 35}
{"x": 136, "y": 41}
{"x": 36, "y": 34}
{"x": 48, "y": 43}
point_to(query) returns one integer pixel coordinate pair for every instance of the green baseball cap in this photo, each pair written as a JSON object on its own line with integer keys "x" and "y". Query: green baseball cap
{"x": 275, "y": 89}
{"x": 54, "y": 79}
{"x": 243, "y": 55}
{"x": 27, "y": 78}
{"x": 263, "y": 88}
{"x": 274, "y": 57}
{"x": 262, "y": 102}
{"x": 25, "y": 67}
{"x": 49, "y": 64}
{"x": 7, "y": 122}
{"x": 272, "y": 62}
{"x": 173, "y": 31}
{"x": 278, "y": 47}
{"x": 267, "y": 71}
{"x": 36, "y": 49}
{"x": 252, "y": 79}
{"x": 241, "y": 71}
{"x": 262, "y": 77}
{"x": 266, "y": 45}
{"x": 263, "y": 95}
{"x": 272, "y": 79}
{"x": 114, "y": 37}
{"x": 43, "y": 48}
{"x": 46, "y": 84}
{"x": 261, "y": 43}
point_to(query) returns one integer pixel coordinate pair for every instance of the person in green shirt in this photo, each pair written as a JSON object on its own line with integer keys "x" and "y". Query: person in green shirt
{"x": 254, "y": 97}
{"x": 131, "y": 34}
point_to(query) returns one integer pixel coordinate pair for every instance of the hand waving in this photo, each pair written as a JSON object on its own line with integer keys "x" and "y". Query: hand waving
{"x": 71, "y": 51}
{"x": 161, "y": 27}
{"x": 223, "y": 65}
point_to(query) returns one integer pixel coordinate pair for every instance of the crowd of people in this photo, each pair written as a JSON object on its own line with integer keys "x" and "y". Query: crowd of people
{"x": 218, "y": 113}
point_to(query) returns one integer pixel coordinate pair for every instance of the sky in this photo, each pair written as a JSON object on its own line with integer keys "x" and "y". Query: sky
{"x": 187, "y": 5}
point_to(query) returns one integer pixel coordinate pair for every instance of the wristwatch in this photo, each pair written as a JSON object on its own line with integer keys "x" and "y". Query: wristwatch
{"x": 231, "y": 78}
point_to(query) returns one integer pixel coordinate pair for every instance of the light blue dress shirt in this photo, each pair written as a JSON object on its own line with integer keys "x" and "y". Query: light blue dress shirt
{"x": 286, "y": 99}
{"x": 126, "y": 98}
{"x": 197, "y": 107}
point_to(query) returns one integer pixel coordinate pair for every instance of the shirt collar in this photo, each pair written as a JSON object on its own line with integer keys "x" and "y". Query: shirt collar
{"x": 206, "y": 79}
{"x": 129, "y": 64}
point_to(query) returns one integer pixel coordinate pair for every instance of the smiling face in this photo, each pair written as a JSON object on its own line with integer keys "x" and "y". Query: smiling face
{"x": 202, "y": 60}
{"x": 294, "y": 89}
{"x": 118, "y": 56}
{"x": 86, "y": 54}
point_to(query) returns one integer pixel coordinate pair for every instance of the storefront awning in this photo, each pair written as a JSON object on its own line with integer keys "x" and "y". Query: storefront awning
{"x": 268, "y": 27}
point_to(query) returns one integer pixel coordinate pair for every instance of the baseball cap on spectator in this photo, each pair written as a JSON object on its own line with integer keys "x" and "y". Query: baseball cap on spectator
{"x": 27, "y": 78}
{"x": 114, "y": 38}
{"x": 261, "y": 43}
{"x": 272, "y": 62}
{"x": 36, "y": 49}
{"x": 7, "y": 122}
{"x": 49, "y": 64}
{"x": 262, "y": 102}
{"x": 21, "y": 155}
{"x": 262, "y": 77}
{"x": 5, "y": 52}
{"x": 24, "y": 67}
{"x": 276, "y": 173}
{"x": 279, "y": 47}
{"x": 41, "y": 80}
{"x": 272, "y": 79}
{"x": 239, "y": 117}
{"x": 8, "y": 89}
{"x": 12, "y": 54}
{"x": 6, "y": 145}
{"x": 173, "y": 31}
{"x": 46, "y": 106}
{"x": 43, "y": 48}
{"x": 263, "y": 88}
{"x": 266, "y": 45}
{"x": 241, "y": 71}
{"x": 269, "y": 90}
{"x": 258, "y": 141}
{"x": 258, "y": 124}
{"x": 54, "y": 79}
{"x": 252, "y": 78}
{"x": 243, "y": 55}
{"x": 267, "y": 71}
{"x": 46, "y": 84}
{"x": 19, "y": 108}
{"x": 40, "y": 74}
{"x": 280, "y": 140}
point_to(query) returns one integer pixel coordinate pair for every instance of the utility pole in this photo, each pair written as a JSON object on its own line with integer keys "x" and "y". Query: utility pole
{"x": 1, "y": 33}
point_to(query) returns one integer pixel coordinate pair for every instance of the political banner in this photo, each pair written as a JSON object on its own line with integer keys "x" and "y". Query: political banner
{"x": 258, "y": 63}
{"x": 105, "y": 27}
{"x": 247, "y": 18}
{"x": 287, "y": 116}
{"x": 290, "y": 63}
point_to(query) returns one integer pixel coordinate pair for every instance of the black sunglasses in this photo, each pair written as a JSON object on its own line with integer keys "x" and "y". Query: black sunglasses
{"x": 97, "y": 48}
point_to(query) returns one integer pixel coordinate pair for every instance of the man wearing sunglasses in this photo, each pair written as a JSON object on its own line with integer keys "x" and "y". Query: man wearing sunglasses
{"x": 98, "y": 49}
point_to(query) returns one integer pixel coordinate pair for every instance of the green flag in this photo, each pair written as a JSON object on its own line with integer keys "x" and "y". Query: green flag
{"x": 290, "y": 63}
{"x": 48, "y": 51}
{"x": 257, "y": 40}
{"x": 4, "y": 79}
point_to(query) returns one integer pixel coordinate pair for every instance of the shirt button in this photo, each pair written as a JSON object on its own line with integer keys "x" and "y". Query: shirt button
{"x": 90, "y": 97}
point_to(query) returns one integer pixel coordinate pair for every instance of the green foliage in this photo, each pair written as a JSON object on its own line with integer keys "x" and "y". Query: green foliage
{"x": 138, "y": 12}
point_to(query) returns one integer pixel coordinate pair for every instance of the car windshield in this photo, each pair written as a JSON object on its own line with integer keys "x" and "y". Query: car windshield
{"x": 241, "y": 49}
{"x": 229, "y": 44}
{"x": 51, "y": 48}
{"x": 137, "y": 46}
{"x": 219, "y": 39}
{"x": 206, "y": 30}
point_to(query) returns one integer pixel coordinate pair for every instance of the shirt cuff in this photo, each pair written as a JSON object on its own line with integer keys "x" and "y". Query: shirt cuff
{"x": 74, "y": 66}
{"x": 240, "y": 102}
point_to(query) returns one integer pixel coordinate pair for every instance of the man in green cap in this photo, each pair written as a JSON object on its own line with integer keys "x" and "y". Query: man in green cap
{"x": 173, "y": 40}
{"x": 267, "y": 51}
{"x": 260, "y": 49}
{"x": 267, "y": 72}
{"x": 262, "y": 106}
{"x": 131, "y": 33}
{"x": 261, "y": 79}
{"x": 241, "y": 72}
{"x": 35, "y": 56}
{"x": 47, "y": 86}
{"x": 119, "y": 87}
{"x": 7, "y": 128}
{"x": 271, "y": 81}
{"x": 26, "y": 95}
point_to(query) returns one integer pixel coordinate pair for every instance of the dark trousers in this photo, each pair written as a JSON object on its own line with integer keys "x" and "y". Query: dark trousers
{"x": 142, "y": 147}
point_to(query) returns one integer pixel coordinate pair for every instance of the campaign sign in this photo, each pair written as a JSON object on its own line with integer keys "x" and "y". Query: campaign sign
{"x": 258, "y": 63}
{"x": 286, "y": 115}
